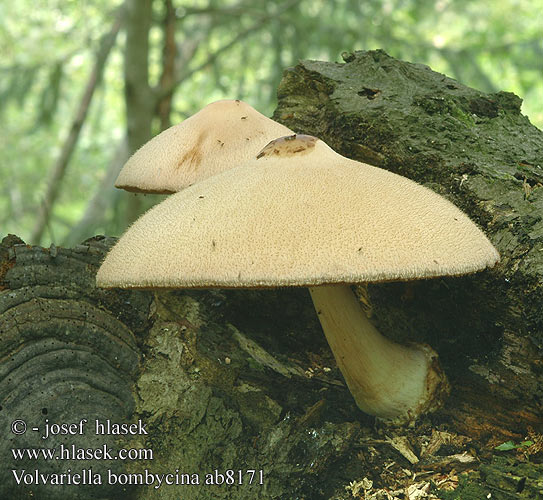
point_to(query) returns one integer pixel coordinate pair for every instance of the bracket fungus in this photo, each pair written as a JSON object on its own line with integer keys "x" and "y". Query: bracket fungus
{"x": 302, "y": 215}
{"x": 222, "y": 135}
{"x": 67, "y": 354}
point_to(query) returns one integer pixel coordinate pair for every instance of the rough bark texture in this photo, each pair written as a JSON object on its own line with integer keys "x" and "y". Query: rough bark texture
{"x": 244, "y": 380}
{"x": 64, "y": 356}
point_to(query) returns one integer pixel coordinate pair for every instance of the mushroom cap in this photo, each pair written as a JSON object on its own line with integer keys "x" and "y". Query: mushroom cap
{"x": 221, "y": 135}
{"x": 298, "y": 215}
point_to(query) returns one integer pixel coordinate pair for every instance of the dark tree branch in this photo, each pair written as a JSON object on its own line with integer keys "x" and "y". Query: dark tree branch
{"x": 137, "y": 91}
{"x": 61, "y": 164}
{"x": 96, "y": 208}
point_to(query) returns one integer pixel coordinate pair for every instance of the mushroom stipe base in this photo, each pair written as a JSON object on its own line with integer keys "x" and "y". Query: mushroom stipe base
{"x": 386, "y": 379}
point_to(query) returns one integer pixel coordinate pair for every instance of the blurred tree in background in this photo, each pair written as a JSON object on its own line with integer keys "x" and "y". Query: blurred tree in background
{"x": 85, "y": 82}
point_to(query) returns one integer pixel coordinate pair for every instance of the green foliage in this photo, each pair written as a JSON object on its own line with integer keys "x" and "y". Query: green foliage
{"x": 510, "y": 445}
{"x": 226, "y": 49}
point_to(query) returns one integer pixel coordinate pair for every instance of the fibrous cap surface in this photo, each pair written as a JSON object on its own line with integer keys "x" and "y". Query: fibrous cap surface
{"x": 299, "y": 215}
{"x": 223, "y": 134}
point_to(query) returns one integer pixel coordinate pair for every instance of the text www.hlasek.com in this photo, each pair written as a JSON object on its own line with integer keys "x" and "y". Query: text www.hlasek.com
{"x": 71, "y": 452}
{"x": 91, "y": 475}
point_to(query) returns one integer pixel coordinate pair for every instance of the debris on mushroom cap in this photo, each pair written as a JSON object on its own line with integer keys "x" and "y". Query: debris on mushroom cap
{"x": 297, "y": 219}
{"x": 223, "y": 134}
{"x": 289, "y": 145}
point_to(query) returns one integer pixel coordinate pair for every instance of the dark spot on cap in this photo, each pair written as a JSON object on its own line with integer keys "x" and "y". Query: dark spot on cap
{"x": 289, "y": 145}
{"x": 244, "y": 118}
{"x": 193, "y": 157}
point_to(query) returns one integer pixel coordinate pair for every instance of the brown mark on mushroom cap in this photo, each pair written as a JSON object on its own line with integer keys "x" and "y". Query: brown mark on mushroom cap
{"x": 193, "y": 157}
{"x": 288, "y": 146}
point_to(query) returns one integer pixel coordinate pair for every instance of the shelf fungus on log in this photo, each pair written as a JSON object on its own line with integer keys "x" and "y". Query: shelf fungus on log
{"x": 66, "y": 361}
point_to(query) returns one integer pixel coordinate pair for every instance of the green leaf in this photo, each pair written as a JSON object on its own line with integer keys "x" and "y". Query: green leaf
{"x": 507, "y": 446}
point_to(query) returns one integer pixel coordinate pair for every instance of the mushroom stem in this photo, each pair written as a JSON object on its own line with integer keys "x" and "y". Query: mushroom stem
{"x": 386, "y": 379}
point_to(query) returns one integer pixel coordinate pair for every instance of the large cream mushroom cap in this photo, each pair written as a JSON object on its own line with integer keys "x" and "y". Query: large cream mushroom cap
{"x": 221, "y": 135}
{"x": 300, "y": 214}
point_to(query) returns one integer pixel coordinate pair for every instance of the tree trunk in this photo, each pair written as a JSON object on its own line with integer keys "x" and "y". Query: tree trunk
{"x": 139, "y": 99}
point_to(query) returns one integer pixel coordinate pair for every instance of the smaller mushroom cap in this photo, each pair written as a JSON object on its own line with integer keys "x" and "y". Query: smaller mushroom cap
{"x": 297, "y": 215}
{"x": 221, "y": 135}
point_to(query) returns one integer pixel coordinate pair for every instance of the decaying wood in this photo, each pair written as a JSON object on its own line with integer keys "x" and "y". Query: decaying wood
{"x": 212, "y": 397}
{"x": 64, "y": 356}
